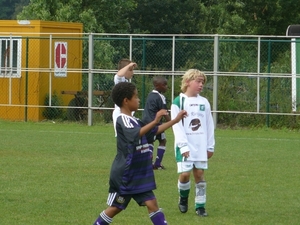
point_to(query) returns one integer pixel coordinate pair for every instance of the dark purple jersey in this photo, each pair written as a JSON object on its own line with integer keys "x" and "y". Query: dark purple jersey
{"x": 155, "y": 102}
{"x": 132, "y": 171}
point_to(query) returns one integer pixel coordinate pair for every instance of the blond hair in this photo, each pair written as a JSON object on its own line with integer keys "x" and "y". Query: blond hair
{"x": 191, "y": 74}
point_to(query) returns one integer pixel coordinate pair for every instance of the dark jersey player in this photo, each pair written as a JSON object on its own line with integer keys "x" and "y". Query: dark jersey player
{"x": 132, "y": 175}
{"x": 155, "y": 102}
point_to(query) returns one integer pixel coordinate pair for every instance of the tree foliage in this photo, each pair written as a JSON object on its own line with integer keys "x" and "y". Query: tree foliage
{"x": 97, "y": 16}
{"x": 166, "y": 17}
{"x": 270, "y": 17}
{"x": 4, "y": 9}
{"x": 59, "y": 10}
{"x": 9, "y": 8}
{"x": 255, "y": 17}
{"x": 187, "y": 16}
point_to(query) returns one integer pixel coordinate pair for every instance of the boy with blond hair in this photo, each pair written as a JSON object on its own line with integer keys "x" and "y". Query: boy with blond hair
{"x": 194, "y": 139}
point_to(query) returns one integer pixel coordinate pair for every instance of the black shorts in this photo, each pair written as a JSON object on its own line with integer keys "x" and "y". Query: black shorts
{"x": 122, "y": 201}
{"x": 161, "y": 136}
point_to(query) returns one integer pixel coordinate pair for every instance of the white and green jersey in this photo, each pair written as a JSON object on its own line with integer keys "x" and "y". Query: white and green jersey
{"x": 195, "y": 133}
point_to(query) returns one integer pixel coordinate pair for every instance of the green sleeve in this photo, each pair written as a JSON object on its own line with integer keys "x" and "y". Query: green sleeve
{"x": 176, "y": 101}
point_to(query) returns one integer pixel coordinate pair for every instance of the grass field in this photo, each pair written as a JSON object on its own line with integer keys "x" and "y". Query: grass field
{"x": 56, "y": 174}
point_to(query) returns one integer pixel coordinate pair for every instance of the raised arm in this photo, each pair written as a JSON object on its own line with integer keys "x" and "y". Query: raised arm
{"x": 171, "y": 122}
{"x": 125, "y": 69}
{"x": 163, "y": 126}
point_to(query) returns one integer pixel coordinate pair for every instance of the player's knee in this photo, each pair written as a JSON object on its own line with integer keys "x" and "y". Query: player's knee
{"x": 199, "y": 175}
{"x": 151, "y": 205}
{"x": 184, "y": 177}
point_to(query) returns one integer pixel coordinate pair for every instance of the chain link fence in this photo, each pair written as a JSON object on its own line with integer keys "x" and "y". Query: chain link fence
{"x": 67, "y": 78}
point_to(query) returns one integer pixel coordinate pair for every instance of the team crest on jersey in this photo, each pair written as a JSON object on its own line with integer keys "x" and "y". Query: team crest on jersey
{"x": 202, "y": 107}
{"x": 120, "y": 199}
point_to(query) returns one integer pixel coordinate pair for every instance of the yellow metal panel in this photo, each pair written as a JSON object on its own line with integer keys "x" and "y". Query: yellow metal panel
{"x": 36, "y": 46}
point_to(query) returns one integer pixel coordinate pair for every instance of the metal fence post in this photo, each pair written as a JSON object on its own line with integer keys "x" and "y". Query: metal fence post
{"x": 50, "y": 67}
{"x": 215, "y": 87}
{"x": 144, "y": 68}
{"x": 258, "y": 72}
{"x": 130, "y": 47}
{"x": 173, "y": 67}
{"x": 26, "y": 81}
{"x": 268, "y": 84}
{"x": 90, "y": 79}
{"x": 10, "y": 48}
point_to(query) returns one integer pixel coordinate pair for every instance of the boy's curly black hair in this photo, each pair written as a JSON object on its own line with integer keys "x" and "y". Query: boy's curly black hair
{"x": 121, "y": 91}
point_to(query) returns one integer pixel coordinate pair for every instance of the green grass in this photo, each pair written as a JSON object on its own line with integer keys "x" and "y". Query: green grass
{"x": 57, "y": 173}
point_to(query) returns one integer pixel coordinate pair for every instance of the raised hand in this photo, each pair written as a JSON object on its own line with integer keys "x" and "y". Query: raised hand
{"x": 160, "y": 114}
{"x": 133, "y": 65}
{"x": 182, "y": 114}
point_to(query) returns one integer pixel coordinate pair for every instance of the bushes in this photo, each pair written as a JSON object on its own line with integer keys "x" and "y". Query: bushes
{"x": 53, "y": 112}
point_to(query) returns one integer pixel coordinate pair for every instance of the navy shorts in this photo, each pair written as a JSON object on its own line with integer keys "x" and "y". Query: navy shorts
{"x": 122, "y": 201}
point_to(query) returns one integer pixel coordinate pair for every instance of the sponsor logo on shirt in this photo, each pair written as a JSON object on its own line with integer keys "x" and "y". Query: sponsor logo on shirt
{"x": 195, "y": 133}
{"x": 195, "y": 124}
{"x": 197, "y": 114}
{"x": 202, "y": 107}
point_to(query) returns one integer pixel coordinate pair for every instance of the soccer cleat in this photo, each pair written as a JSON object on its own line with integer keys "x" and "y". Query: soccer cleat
{"x": 201, "y": 212}
{"x": 161, "y": 167}
{"x": 183, "y": 204}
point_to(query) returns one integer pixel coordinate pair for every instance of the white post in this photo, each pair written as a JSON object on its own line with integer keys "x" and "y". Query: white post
{"x": 50, "y": 69}
{"x": 215, "y": 87}
{"x": 294, "y": 72}
{"x": 258, "y": 78}
{"x": 173, "y": 67}
{"x": 90, "y": 79}
{"x": 10, "y": 57}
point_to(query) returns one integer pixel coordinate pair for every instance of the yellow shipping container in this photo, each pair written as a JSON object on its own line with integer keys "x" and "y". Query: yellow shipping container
{"x": 35, "y": 57}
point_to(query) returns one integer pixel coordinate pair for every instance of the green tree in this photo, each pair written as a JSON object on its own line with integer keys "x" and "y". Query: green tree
{"x": 9, "y": 7}
{"x": 97, "y": 16}
{"x": 67, "y": 11}
{"x": 270, "y": 17}
{"x": 18, "y": 7}
{"x": 186, "y": 17}
{"x": 165, "y": 17}
{"x": 4, "y": 9}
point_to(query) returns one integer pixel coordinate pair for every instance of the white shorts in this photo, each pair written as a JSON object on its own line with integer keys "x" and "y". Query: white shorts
{"x": 187, "y": 166}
